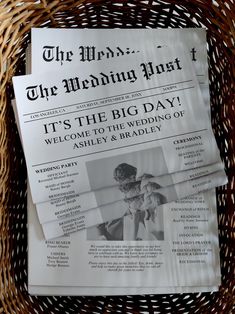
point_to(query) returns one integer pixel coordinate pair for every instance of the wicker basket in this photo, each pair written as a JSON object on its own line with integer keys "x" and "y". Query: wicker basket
{"x": 16, "y": 19}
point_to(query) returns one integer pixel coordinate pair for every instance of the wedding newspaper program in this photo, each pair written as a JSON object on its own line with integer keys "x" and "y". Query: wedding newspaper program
{"x": 187, "y": 226}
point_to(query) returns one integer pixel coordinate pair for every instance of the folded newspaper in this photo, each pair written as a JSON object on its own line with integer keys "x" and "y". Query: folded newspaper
{"x": 110, "y": 112}
{"x": 70, "y": 206}
{"x": 148, "y": 202}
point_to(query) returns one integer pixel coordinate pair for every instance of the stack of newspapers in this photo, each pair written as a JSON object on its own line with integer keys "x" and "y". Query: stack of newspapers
{"x": 122, "y": 162}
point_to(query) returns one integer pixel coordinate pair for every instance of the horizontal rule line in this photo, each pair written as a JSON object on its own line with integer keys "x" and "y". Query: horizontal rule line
{"x": 108, "y": 150}
{"x": 84, "y": 102}
{"x": 114, "y": 103}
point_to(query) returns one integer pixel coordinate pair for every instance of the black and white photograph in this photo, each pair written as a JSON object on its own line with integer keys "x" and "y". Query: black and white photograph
{"x": 143, "y": 217}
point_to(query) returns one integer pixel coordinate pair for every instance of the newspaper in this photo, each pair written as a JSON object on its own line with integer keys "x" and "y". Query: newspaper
{"x": 189, "y": 237}
{"x": 156, "y": 121}
{"x": 187, "y": 255}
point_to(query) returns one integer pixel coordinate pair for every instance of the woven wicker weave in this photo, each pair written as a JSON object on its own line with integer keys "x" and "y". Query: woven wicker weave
{"x": 16, "y": 19}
